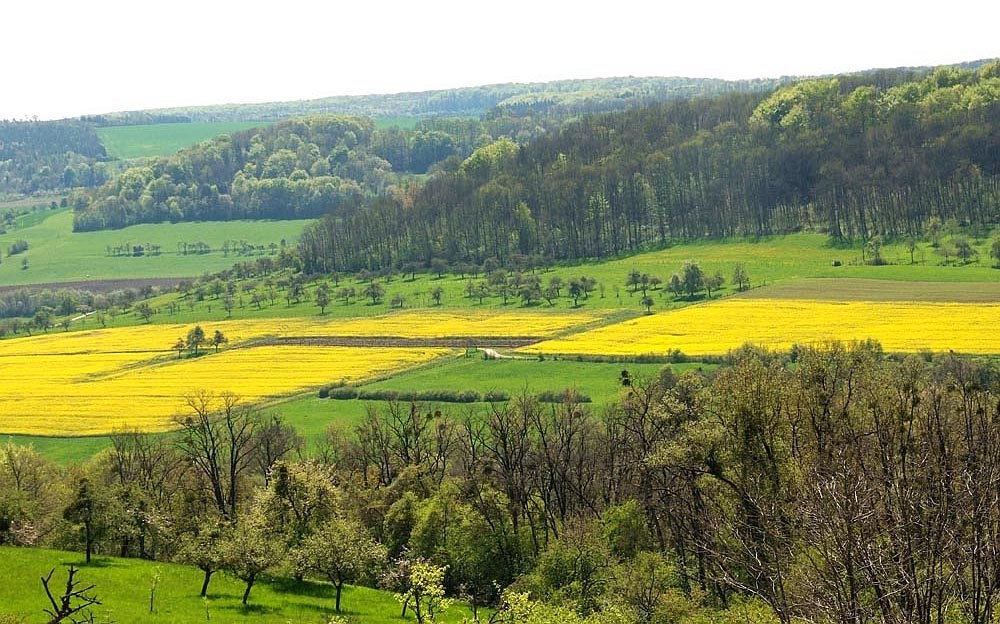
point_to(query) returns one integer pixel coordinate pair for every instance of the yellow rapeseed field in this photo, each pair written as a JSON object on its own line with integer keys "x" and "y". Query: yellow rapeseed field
{"x": 418, "y": 324}
{"x": 458, "y": 323}
{"x": 95, "y": 381}
{"x": 95, "y": 393}
{"x": 715, "y": 328}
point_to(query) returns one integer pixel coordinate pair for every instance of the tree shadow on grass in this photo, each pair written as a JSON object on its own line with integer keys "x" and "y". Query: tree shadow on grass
{"x": 248, "y": 610}
{"x": 95, "y": 562}
{"x": 312, "y": 589}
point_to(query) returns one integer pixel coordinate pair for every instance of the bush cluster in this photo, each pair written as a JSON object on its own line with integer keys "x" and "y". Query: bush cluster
{"x": 344, "y": 392}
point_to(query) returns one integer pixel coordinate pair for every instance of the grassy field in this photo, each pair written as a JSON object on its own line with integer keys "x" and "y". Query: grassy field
{"x": 22, "y": 204}
{"x": 126, "y": 142}
{"x": 311, "y": 415}
{"x": 57, "y": 254}
{"x": 123, "y": 587}
{"x": 773, "y": 262}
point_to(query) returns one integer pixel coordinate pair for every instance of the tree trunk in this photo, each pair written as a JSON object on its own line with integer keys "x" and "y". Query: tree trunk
{"x": 88, "y": 537}
{"x": 246, "y": 594}
{"x": 340, "y": 587}
{"x": 204, "y": 583}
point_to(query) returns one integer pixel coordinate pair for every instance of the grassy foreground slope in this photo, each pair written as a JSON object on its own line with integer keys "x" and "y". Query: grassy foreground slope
{"x": 123, "y": 587}
{"x": 57, "y": 254}
{"x": 141, "y": 141}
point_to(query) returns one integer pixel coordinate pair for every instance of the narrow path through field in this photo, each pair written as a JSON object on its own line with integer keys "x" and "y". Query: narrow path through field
{"x": 493, "y": 354}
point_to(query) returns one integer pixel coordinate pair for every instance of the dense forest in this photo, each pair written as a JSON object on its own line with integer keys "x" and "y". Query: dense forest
{"x": 854, "y": 156}
{"x": 297, "y": 168}
{"x": 557, "y": 97}
{"x": 37, "y": 156}
{"x": 293, "y": 169}
{"x": 834, "y": 484}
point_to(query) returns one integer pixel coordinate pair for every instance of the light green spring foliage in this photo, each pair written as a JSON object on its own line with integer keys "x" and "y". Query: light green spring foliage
{"x": 342, "y": 552}
{"x": 426, "y": 592}
{"x": 251, "y": 547}
{"x": 518, "y": 608}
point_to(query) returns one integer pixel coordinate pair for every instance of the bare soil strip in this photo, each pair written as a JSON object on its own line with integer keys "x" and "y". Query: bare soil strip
{"x": 98, "y": 286}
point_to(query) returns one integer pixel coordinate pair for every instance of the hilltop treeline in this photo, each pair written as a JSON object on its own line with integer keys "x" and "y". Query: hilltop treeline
{"x": 293, "y": 169}
{"x": 846, "y": 487}
{"x": 556, "y": 98}
{"x": 49, "y": 155}
{"x": 855, "y": 156}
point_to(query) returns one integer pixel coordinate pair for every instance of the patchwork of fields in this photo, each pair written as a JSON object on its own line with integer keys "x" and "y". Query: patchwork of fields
{"x": 93, "y": 382}
{"x": 715, "y": 328}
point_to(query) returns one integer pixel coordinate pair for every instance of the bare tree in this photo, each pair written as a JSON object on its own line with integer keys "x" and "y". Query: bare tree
{"x": 219, "y": 437}
{"x": 72, "y": 601}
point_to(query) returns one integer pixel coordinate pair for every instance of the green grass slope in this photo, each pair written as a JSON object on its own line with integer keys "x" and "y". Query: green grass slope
{"x": 126, "y": 142}
{"x": 57, "y": 254}
{"x": 123, "y": 587}
{"x": 772, "y": 261}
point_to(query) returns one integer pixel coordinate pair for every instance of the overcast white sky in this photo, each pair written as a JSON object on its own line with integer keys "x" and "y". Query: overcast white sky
{"x": 67, "y": 58}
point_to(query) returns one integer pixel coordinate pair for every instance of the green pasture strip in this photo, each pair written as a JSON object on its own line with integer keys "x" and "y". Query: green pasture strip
{"x": 127, "y": 142}
{"x": 57, "y": 254}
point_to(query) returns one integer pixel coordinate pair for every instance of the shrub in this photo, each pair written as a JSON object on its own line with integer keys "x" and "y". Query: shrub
{"x": 342, "y": 393}
{"x": 563, "y": 397}
{"x": 19, "y": 246}
{"x": 437, "y": 396}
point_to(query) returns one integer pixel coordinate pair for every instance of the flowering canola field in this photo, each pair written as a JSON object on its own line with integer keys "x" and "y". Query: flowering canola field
{"x": 715, "y": 328}
{"x": 92, "y": 393}
{"x": 96, "y": 381}
{"x": 419, "y": 324}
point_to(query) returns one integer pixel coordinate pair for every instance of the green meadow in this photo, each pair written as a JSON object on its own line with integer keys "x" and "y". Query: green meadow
{"x": 124, "y": 585}
{"x": 127, "y": 142}
{"x": 776, "y": 262}
{"x": 57, "y": 254}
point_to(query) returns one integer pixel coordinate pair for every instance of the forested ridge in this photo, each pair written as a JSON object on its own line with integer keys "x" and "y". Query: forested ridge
{"x": 831, "y": 484}
{"x": 853, "y": 156}
{"x": 294, "y": 169}
{"x": 297, "y": 168}
{"x": 556, "y": 97}
{"x": 40, "y": 156}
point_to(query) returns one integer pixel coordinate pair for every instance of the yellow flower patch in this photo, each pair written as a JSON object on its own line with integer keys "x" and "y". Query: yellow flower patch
{"x": 716, "y": 328}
